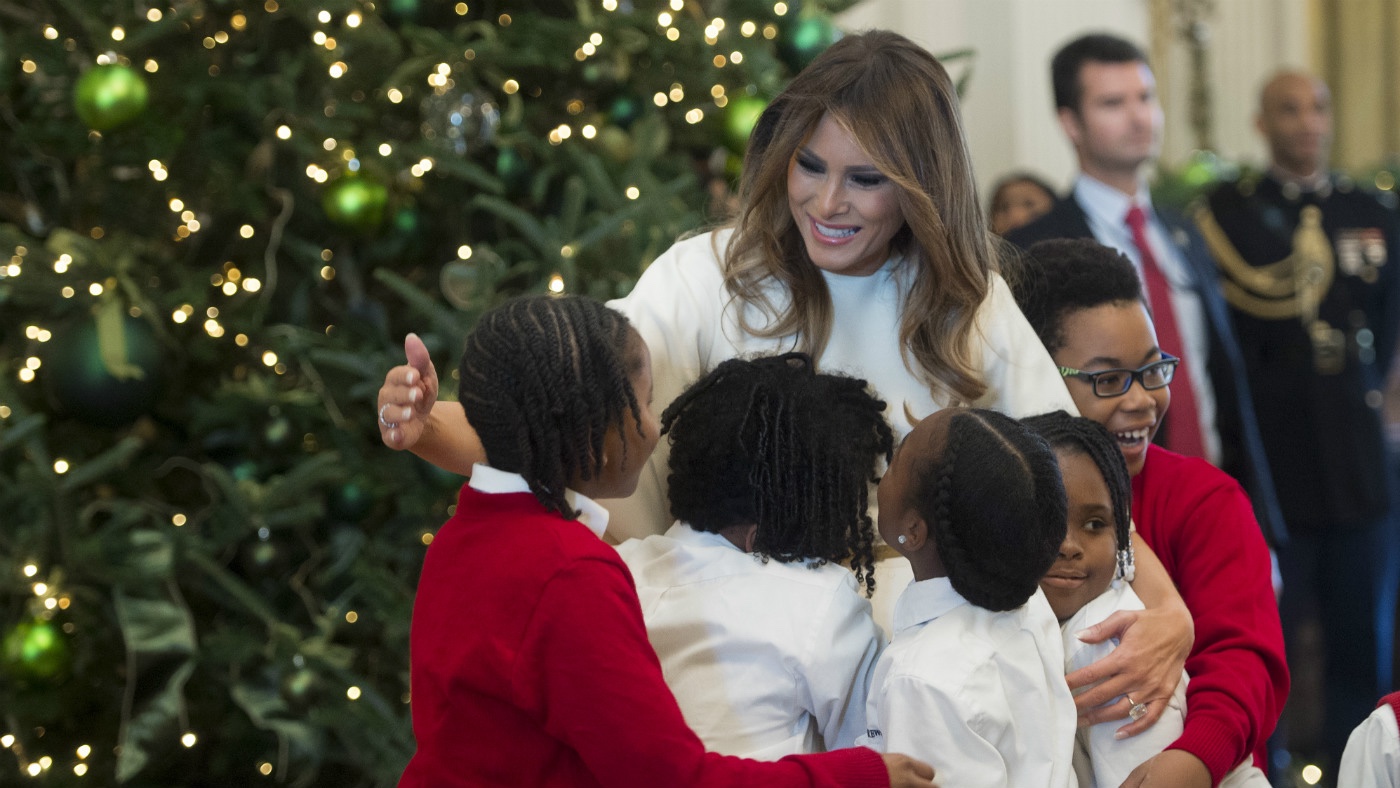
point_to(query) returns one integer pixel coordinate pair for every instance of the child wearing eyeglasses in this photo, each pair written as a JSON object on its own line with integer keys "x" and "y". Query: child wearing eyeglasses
{"x": 1086, "y": 304}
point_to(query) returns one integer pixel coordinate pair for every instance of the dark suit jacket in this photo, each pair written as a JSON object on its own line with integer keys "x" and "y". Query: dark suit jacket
{"x": 1242, "y": 449}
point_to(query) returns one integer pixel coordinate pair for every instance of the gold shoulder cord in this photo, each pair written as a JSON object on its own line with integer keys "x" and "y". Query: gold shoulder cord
{"x": 1290, "y": 288}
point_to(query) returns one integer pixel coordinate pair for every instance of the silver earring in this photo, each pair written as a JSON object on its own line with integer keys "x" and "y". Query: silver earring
{"x": 901, "y": 539}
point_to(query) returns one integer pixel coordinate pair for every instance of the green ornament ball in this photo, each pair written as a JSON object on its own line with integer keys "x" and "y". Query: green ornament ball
{"x": 470, "y": 284}
{"x": 355, "y": 202}
{"x": 106, "y": 375}
{"x": 513, "y": 170}
{"x": 806, "y": 39}
{"x": 740, "y": 116}
{"x": 351, "y": 501}
{"x": 403, "y": 10}
{"x": 625, "y": 110}
{"x": 111, "y": 96}
{"x": 35, "y": 649}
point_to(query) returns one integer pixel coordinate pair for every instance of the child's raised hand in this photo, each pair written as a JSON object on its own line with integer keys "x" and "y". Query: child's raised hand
{"x": 1146, "y": 667}
{"x": 905, "y": 772}
{"x": 407, "y": 396}
{"x": 1170, "y": 769}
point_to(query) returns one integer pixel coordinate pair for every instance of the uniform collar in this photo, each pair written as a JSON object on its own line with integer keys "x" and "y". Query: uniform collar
{"x": 925, "y": 600}
{"x": 1292, "y": 187}
{"x": 491, "y": 481}
{"x": 687, "y": 535}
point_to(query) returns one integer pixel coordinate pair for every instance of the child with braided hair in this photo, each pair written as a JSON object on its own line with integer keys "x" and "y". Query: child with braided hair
{"x": 974, "y": 681}
{"x": 1089, "y": 582}
{"x": 762, "y": 632}
{"x": 1085, "y": 301}
{"x": 530, "y": 664}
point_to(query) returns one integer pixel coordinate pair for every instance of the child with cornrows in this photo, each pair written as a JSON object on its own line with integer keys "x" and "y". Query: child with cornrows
{"x": 1089, "y": 582}
{"x": 974, "y": 679}
{"x": 530, "y": 664}
{"x": 1085, "y": 302}
{"x": 762, "y": 633}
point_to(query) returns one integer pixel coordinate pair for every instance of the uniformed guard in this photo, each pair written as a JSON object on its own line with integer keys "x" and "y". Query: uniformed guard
{"x": 1305, "y": 264}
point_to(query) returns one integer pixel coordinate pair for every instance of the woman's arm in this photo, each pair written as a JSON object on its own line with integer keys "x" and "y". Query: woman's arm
{"x": 410, "y": 416}
{"x": 1147, "y": 664}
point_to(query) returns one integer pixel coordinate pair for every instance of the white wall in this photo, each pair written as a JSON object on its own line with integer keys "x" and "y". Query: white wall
{"x": 1008, "y": 109}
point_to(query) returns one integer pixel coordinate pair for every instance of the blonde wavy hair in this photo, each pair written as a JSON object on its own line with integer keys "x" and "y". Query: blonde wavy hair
{"x": 901, "y": 107}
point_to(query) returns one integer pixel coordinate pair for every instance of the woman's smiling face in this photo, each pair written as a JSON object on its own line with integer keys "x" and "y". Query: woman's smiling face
{"x": 846, "y": 209}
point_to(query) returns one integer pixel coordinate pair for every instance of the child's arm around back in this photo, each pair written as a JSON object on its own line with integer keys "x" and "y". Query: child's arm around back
{"x": 587, "y": 669}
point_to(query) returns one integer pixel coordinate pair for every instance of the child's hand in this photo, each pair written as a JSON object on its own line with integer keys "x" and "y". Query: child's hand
{"x": 1146, "y": 667}
{"x": 905, "y": 772}
{"x": 1170, "y": 769}
{"x": 407, "y": 396}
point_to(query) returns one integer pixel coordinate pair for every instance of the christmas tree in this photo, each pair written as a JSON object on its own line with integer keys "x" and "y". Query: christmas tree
{"x": 218, "y": 218}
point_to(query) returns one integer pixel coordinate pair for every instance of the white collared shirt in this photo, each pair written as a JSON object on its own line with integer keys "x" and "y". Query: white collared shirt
{"x": 1100, "y": 759}
{"x": 486, "y": 479}
{"x": 1105, "y": 208}
{"x": 1372, "y": 756}
{"x": 765, "y": 659}
{"x": 979, "y": 695}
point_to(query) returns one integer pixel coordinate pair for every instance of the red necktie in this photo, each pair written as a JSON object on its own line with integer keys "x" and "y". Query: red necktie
{"x": 1184, "y": 427}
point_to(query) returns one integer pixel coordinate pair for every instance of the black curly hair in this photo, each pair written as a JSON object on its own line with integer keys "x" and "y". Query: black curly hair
{"x": 770, "y": 441}
{"x": 1078, "y": 435}
{"x": 991, "y": 493}
{"x": 1066, "y": 275}
{"x": 543, "y": 379}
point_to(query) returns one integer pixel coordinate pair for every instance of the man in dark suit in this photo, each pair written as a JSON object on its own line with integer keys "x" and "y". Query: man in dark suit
{"x": 1107, "y": 103}
{"x": 1305, "y": 262}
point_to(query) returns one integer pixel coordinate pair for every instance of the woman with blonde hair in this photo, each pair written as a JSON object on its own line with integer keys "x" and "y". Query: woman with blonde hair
{"x": 859, "y": 240}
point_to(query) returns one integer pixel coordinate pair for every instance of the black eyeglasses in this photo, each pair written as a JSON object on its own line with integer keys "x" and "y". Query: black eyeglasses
{"x": 1109, "y": 383}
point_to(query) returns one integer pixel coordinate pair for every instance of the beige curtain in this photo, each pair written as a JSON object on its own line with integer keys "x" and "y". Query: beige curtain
{"x": 1356, "y": 48}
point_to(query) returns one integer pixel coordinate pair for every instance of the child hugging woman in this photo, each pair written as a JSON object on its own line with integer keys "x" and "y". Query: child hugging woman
{"x": 1089, "y": 582}
{"x": 529, "y": 660}
{"x": 762, "y": 632}
{"x": 974, "y": 679}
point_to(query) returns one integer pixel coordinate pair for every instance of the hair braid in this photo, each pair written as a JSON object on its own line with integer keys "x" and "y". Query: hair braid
{"x": 543, "y": 379}
{"x": 995, "y": 504}
{"x": 1088, "y": 437}
{"x": 770, "y": 442}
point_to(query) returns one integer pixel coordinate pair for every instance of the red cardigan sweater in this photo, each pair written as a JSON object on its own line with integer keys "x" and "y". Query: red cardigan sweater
{"x": 530, "y": 666}
{"x": 1201, "y": 525}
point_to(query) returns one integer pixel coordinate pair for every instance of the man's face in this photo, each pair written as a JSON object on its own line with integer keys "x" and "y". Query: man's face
{"x": 1295, "y": 117}
{"x": 1118, "y": 126}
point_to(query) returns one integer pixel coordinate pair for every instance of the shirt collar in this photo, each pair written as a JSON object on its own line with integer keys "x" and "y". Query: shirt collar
{"x": 492, "y": 481}
{"x": 686, "y": 534}
{"x": 925, "y": 600}
{"x": 1107, "y": 204}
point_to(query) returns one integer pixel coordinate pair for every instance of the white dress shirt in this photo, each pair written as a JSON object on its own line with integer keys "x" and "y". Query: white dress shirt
{"x": 979, "y": 695}
{"x": 1101, "y": 761}
{"x": 765, "y": 659}
{"x": 1105, "y": 208}
{"x": 1372, "y": 756}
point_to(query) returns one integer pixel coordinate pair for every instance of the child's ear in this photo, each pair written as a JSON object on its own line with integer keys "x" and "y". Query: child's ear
{"x": 750, "y": 536}
{"x": 916, "y": 532}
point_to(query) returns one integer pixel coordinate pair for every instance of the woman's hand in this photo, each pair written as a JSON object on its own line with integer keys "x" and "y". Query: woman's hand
{"x": 905, "y": 772}
{"x": 1170, "y": 768}
{"x": 406, "y": 399}
{"x": 1145, "y": 667}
